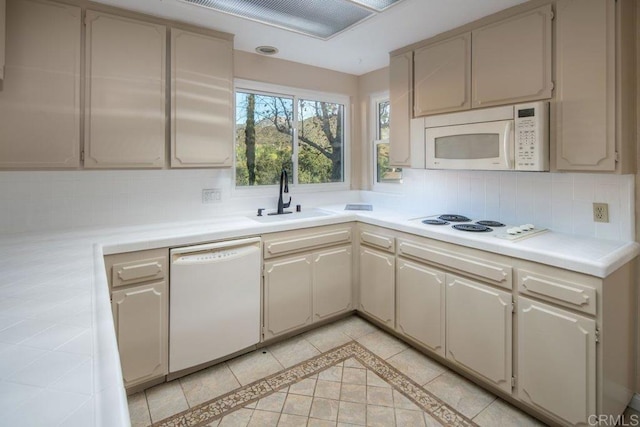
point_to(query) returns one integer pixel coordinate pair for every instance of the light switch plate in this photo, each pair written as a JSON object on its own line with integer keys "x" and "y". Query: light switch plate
{"x": 601, "y": 212}
{"x": 211, "y": 195}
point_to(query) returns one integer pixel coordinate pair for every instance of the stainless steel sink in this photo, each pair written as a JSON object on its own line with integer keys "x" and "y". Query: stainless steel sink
{"x": 307, "y": 213}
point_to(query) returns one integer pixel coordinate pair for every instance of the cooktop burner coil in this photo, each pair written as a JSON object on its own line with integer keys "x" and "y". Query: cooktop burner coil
{"x": 472, "y": 227}
{"x": 435, "y": 222}
{"x": 491, "y": 223}
{"x": 454, "y": 218}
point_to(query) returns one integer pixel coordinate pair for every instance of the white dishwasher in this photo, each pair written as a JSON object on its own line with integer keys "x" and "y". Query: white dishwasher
{"x": 214, "y": 307}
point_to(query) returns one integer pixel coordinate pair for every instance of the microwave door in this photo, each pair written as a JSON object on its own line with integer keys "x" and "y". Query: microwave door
{"x": 484, "y": 146}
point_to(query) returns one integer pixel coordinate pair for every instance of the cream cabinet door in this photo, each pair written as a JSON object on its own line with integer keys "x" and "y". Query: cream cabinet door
{"x": 125, "y": 93}
{"x": 400, "y": 80}
{"x": 141, "y": 321}
{"x": 40, "y": 96}
{"x": 479, "y": 325}
{"x": 420, "y": 304}
{"x": 287, "y": 295}
{"x": 377, "y": 285}
{"x": 511, "y": 59}
{"x": 585, "y": 69}
{"x": 556, "y": 361}
{"x": 332, "y": 282}
{"x": 201, "y": 100}
{"x": 442, "y": 76}
{"x": 3, "y": 32}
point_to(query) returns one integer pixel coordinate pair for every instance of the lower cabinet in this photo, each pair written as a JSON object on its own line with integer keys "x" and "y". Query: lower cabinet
{"x": 287, "y": 294}
{"x": 377, "y": 285}
{"x": 556, "y": 361}
{"x": 302, "y": 289}
{"x": 332, "y": 282}
{"x": 420, "y": 304}
{"x": 140, "y": 316}
{"x": 479, "y": 325}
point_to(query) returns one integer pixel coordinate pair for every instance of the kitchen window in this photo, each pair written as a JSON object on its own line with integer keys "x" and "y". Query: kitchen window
{"x": 383, "y": 173}
{"x": 303, "y": 132}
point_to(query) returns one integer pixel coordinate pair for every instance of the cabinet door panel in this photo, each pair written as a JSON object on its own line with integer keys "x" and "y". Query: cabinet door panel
{"x": 201, "y": 94}
{"x": 442, "y": 76}
{"x": 287, "y": 295}
{"x": 479, "y": 322}
{"x": 511, "y": 60}
{"x": 377, "y": 271}
{"x": 400, "y": 76}
{"x": 332, "y": 281}
{"x": 125, "y": 93}
{"x": 421, "y": 304}
{"x": 141, "y": 320}
{"x": 585, "y": 68}
{"x": 556, "y": 361}
{"x": 40, "y": 96}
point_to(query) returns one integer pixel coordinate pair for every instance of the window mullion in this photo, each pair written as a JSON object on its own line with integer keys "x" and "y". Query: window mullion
{"x": 296, "y": 144}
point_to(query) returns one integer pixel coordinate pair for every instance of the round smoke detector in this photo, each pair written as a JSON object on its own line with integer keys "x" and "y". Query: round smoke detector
{"x": 267, "y": 50}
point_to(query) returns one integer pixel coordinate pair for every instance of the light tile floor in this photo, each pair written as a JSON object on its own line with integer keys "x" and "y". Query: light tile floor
{"x": 345, "y": 394}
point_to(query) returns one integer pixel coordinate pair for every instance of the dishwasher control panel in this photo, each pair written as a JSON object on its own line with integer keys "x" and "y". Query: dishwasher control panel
{"x": 209, "y": 256}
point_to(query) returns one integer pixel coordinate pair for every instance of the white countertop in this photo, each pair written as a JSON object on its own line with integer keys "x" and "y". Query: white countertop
{"x": 58, "y": 356}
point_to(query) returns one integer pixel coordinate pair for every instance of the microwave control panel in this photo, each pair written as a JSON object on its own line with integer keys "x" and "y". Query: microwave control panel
{"x": 532, "y": 136}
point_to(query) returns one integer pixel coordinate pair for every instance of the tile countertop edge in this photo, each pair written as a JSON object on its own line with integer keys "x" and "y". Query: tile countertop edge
{"x": 111, "y": 408}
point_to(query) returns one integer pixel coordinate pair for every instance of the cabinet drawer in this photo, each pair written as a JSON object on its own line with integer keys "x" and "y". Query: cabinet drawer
{"x": 305, "y": 241}
{"x": 493, "y": 272}
{"x": 128, "y": 273}
{"x": 561, "y": 292}
{"x": 386, "y": 243}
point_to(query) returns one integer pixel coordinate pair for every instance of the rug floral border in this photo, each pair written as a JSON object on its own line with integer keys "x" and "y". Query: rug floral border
{"x": 210, "y": 411}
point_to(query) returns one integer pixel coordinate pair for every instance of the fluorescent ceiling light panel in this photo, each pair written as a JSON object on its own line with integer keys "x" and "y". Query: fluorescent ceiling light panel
{"x": 317, "y": 18}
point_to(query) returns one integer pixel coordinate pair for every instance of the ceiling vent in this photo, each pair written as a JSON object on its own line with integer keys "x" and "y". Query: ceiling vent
{"x": 318, "y": 18}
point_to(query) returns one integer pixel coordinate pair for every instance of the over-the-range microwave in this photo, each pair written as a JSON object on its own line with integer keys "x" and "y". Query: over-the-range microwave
{"x": 512, "y": 137}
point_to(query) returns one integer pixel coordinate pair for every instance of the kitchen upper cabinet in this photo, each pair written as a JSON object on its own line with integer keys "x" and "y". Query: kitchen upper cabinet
{"x": 377, "y": 285}
{"x": 556, "y": 361}
{"x": 3, "y": 32}
{"x": 332, "y": 282}
{"x": 479, "y": 325}
{"x": 400, "y": 82}
{"x": 201, "y": 100}
{"x": 594, "y": 105}
{"x": 287, "y": 294}
{"x": 511, "y": 59}
{"x": 140, "y": 316}
{"x": 420, "y": 303}
{"x": 442, "y": 76}
{"x": 40, "y": 96}
{"x": 125, "y": 92}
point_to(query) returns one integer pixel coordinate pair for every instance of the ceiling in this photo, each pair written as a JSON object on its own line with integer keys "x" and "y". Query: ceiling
{"x": 358, "y": 50}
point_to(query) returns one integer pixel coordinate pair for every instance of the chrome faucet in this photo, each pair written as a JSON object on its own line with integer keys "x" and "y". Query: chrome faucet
{"x": 284, "y": 188}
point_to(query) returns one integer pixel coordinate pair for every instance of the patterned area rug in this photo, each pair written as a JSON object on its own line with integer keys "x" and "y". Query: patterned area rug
{"x": 221, "y": 406}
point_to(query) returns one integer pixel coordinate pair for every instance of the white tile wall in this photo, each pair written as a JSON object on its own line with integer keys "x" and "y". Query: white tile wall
{"x": 42, "y": 201}
{"x": 559, "y": 201}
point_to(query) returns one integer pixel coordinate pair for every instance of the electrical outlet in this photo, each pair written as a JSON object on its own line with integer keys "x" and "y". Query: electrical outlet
{"x": 601, "y": 212}
{"x": 211, "y": 195}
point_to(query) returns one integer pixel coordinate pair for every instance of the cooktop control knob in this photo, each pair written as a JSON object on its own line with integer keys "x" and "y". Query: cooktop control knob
{"x": 514, "y": 230}
{"x": 526, "y": 227}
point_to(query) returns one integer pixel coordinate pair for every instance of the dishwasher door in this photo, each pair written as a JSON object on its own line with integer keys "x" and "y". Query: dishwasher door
{"x": 214, "y": 307}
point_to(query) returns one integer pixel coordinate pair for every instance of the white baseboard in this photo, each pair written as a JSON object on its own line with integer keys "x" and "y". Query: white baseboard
{"x": 635, "y": 402}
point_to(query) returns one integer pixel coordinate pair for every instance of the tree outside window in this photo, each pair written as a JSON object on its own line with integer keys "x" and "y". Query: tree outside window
{"x": 265, "y": 139}
{"x": 384, "y": 172}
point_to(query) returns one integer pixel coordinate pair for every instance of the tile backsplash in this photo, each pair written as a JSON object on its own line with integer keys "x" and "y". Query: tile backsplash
{"x": 44, "y": 201}
{"x": 558, "y": 201}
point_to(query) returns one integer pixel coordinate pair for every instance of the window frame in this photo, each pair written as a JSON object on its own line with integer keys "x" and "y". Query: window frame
{"x": 383, "y": 187}
{"x": 296, "y": 94}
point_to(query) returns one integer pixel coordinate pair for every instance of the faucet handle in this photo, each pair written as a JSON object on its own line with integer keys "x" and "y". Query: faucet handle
{"x": 260, "y": 211}
{"x": 286, "y": 205}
